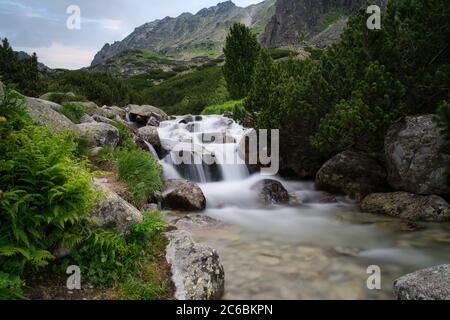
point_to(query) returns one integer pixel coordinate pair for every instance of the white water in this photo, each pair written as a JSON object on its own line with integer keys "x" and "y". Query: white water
{"x": 311, "y": 250}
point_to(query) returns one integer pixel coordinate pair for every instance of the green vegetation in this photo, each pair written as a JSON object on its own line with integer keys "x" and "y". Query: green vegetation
{"x": 349, "y": 95}
{"x": 190, "y": 92}
{"x": 62, "y": 97}
{"x": 241, "y": 52}
{"x": 100, "y": 88}
{"x": 22, "y": 75}
{"x": 228, "y": 106}
{"x": 73, "y": 111}
{"x": 276, "y": 53}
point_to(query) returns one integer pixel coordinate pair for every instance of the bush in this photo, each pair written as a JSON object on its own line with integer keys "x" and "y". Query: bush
{"x": 224, "y": 107}
{"x": 62, "y": 97}
{"x": 73, "y": 111}
{"x": 140, "y": 172}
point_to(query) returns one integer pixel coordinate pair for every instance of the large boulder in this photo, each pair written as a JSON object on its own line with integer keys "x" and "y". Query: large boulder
{"x": 142, "y": 114}
{"x": 183, "y": 195}
{"x": 149, "y": 134}
{"x": 90, "y": 107}
{"x": 352, "y": 173}
{"x": 427, "y": 284}
{"x": 99, "y": 134}
{"x": 408, "y": 206}
{"x": 111, "y": 112}
{"x": 45, "y": 113}
{"x": 60, "y": 97}
{"x": 271, "y": 192}
{"x": 416, "y": 161}
{"x": 196, "y": 269}
{"x": 112, "y": 211}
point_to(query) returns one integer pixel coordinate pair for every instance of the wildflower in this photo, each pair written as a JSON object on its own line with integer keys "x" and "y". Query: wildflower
{"x": 2, "y": 119}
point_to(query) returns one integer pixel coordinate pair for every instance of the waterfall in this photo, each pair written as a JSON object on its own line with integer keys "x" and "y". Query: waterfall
{"x": 152, "y": 150}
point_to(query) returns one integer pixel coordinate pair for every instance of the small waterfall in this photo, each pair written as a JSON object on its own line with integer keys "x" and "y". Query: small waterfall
{"x": 152, "y": 150}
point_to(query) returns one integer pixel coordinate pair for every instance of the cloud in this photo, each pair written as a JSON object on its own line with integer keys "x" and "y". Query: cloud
{"x": 111, "y": 24}
{"x": 62, "y": 56}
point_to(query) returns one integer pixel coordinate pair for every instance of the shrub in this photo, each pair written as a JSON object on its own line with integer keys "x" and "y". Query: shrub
{"x": 62, "y": 97}
{"x": 140, "y": 172}
{"x": 73, "y": 111}
{"x": 224, "y": 107}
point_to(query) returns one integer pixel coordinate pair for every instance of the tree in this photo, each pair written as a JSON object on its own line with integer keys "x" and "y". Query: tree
{"x": 241, "y": 53}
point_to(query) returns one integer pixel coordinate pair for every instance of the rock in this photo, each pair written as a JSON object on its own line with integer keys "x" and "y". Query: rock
{"x": 152, "y": 121}
{"x": 407, "y": 206}
{"x": 187, "y": 119}
{"x": 99, "y": 134}
{"x": 183, "y": 195}
{"x": 271, "y": 192}
{"x": 45, "y": 113}
{"x": 90, "y": 107}
{"x": 198, "y": 118}
{"x": 217, "y": 137}
{"x": 143, "y": 113}
{"x": 415, "y": 159}
{"x": 112, "y": 112}
{"x": 196, "y": 268}
{"x": 86, "y": 119}
{"x": 352, "y": 173}
{"x": 64, "y": 96}
{"x": 102, "y": 119}
{"x": 112, "y": 211}
{"x": 150, "y": 134}
{"x": 427, "y": 284}
{"x": 151, "y": 207}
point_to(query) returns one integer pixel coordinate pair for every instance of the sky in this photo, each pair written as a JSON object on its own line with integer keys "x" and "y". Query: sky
{"x": 41, "y": 25}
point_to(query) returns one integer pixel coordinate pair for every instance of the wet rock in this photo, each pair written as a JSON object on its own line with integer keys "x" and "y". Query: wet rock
{"x": 152, "y": 121}
{"x": 183, "y": 195}
{"x": 352, "y": 173}
{"x": 271, "y": 192}
{"x": 99, "y": 134}
{"x": 415, "y": 155}
{"x": 198, "y": 118}
{"x": 427, "y": 284}
{"x": 112, "y": 211}
{"x": 150, "y": 134}
{"x": 408, "y": 206}
{"x": 45, "y": 113}
{"x": 187, "y": 119}
{"x": 144, "y": 113}
{"x": 196, "y": 268}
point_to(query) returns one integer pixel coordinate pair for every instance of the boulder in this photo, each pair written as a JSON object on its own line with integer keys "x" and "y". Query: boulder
{"x": 152, "y": 121}
{"x": 352, "y": 173}
{"x": 150, "y": 134}
{"x": 99, "y": 134}
{"x": 45, "y": 113}
{"x": 86, "y": 119}
{"x": 217, "y": 137}
{"x": 64, "y": 96}
{"x": 187, "y": 119}
{"x": 143, "y": 113}
{"x": 427, "y": 284}
{"x": 196, "y": 269}
{"x": 90, "y": 107}
{"x": 112, "y": 211}
{"x": 183, "y": 195}
{"x": 271, "y": 192}
{"x": 407, "y": 206}
{"x": 416, "y": 161}
{"x": 112, "y": 112}
{"x": 102, "y": 119}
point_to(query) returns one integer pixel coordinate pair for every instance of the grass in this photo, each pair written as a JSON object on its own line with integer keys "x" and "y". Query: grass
{"x": 63, "y": 97}
{"x": 219, "y": 109}
{"x": 73, "y": 111}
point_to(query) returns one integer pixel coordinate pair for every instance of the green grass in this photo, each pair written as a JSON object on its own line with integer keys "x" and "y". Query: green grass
{"x": 73, "y": 111}
{"x": 218, "y": 109}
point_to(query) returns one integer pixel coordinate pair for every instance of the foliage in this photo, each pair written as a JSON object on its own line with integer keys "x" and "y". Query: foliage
{"x": 63, "y": 97}
{"x": 241, "y": 52}
{"x": 140, "y": 172}
{"x": 228, "y": 106}
{"x": 13, "y": 114}
{"x": 101, "y": 88}
{"x": 126, "y": 139}
{"x": 11, "y": 287}
{"x": 73, "y": 111}
{"x": 188, "y": 93}
{"x": 21, "y": 74}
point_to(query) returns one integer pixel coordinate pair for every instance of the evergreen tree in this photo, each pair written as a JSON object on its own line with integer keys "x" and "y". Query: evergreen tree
{"x": 241, "y": 52}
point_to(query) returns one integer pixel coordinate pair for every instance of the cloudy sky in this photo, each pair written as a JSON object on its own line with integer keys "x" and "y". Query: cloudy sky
{"x": 41, "y": 25}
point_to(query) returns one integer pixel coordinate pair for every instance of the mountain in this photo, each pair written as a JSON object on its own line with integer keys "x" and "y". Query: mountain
{"x": 22, "y": 55}
{"x": 319, "y": 22}
{"x": 190, "y": 35}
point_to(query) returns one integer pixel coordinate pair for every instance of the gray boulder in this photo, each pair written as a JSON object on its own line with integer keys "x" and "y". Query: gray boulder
{"x": 111, "y": 112}
{"x": 99, "y": 134}
{"x": 102, "y": 119}
{"x": 112, "y": 211}
{"x": 64, "y": 96}
{"x": 271, "y": 192}
{"x": 86, "y": 119}
{"x": 415, "y": 159}
{"x": 45, "y": 113}
{"x": 149, "y": 134}
{"x": 183, "y": 195}
{"x": 90, "y": 107}
{"x": 142, "y": 114}
{"x": 352, "y": 173}
{"x": 196, "y": 269}
{"x": 408, "y": 206}
{"x": 427, "y": 284}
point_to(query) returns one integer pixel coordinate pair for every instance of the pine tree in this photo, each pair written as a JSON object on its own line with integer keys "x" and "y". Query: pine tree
{"x": 241, "y": 52}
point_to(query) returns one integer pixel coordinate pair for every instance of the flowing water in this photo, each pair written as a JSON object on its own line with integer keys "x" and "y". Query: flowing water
{"x": 315, "y": 248}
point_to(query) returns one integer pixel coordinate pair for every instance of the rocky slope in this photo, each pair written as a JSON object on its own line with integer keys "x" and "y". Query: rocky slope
{"x": 191, "y": 35}
{"x": 302, "y": 20}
